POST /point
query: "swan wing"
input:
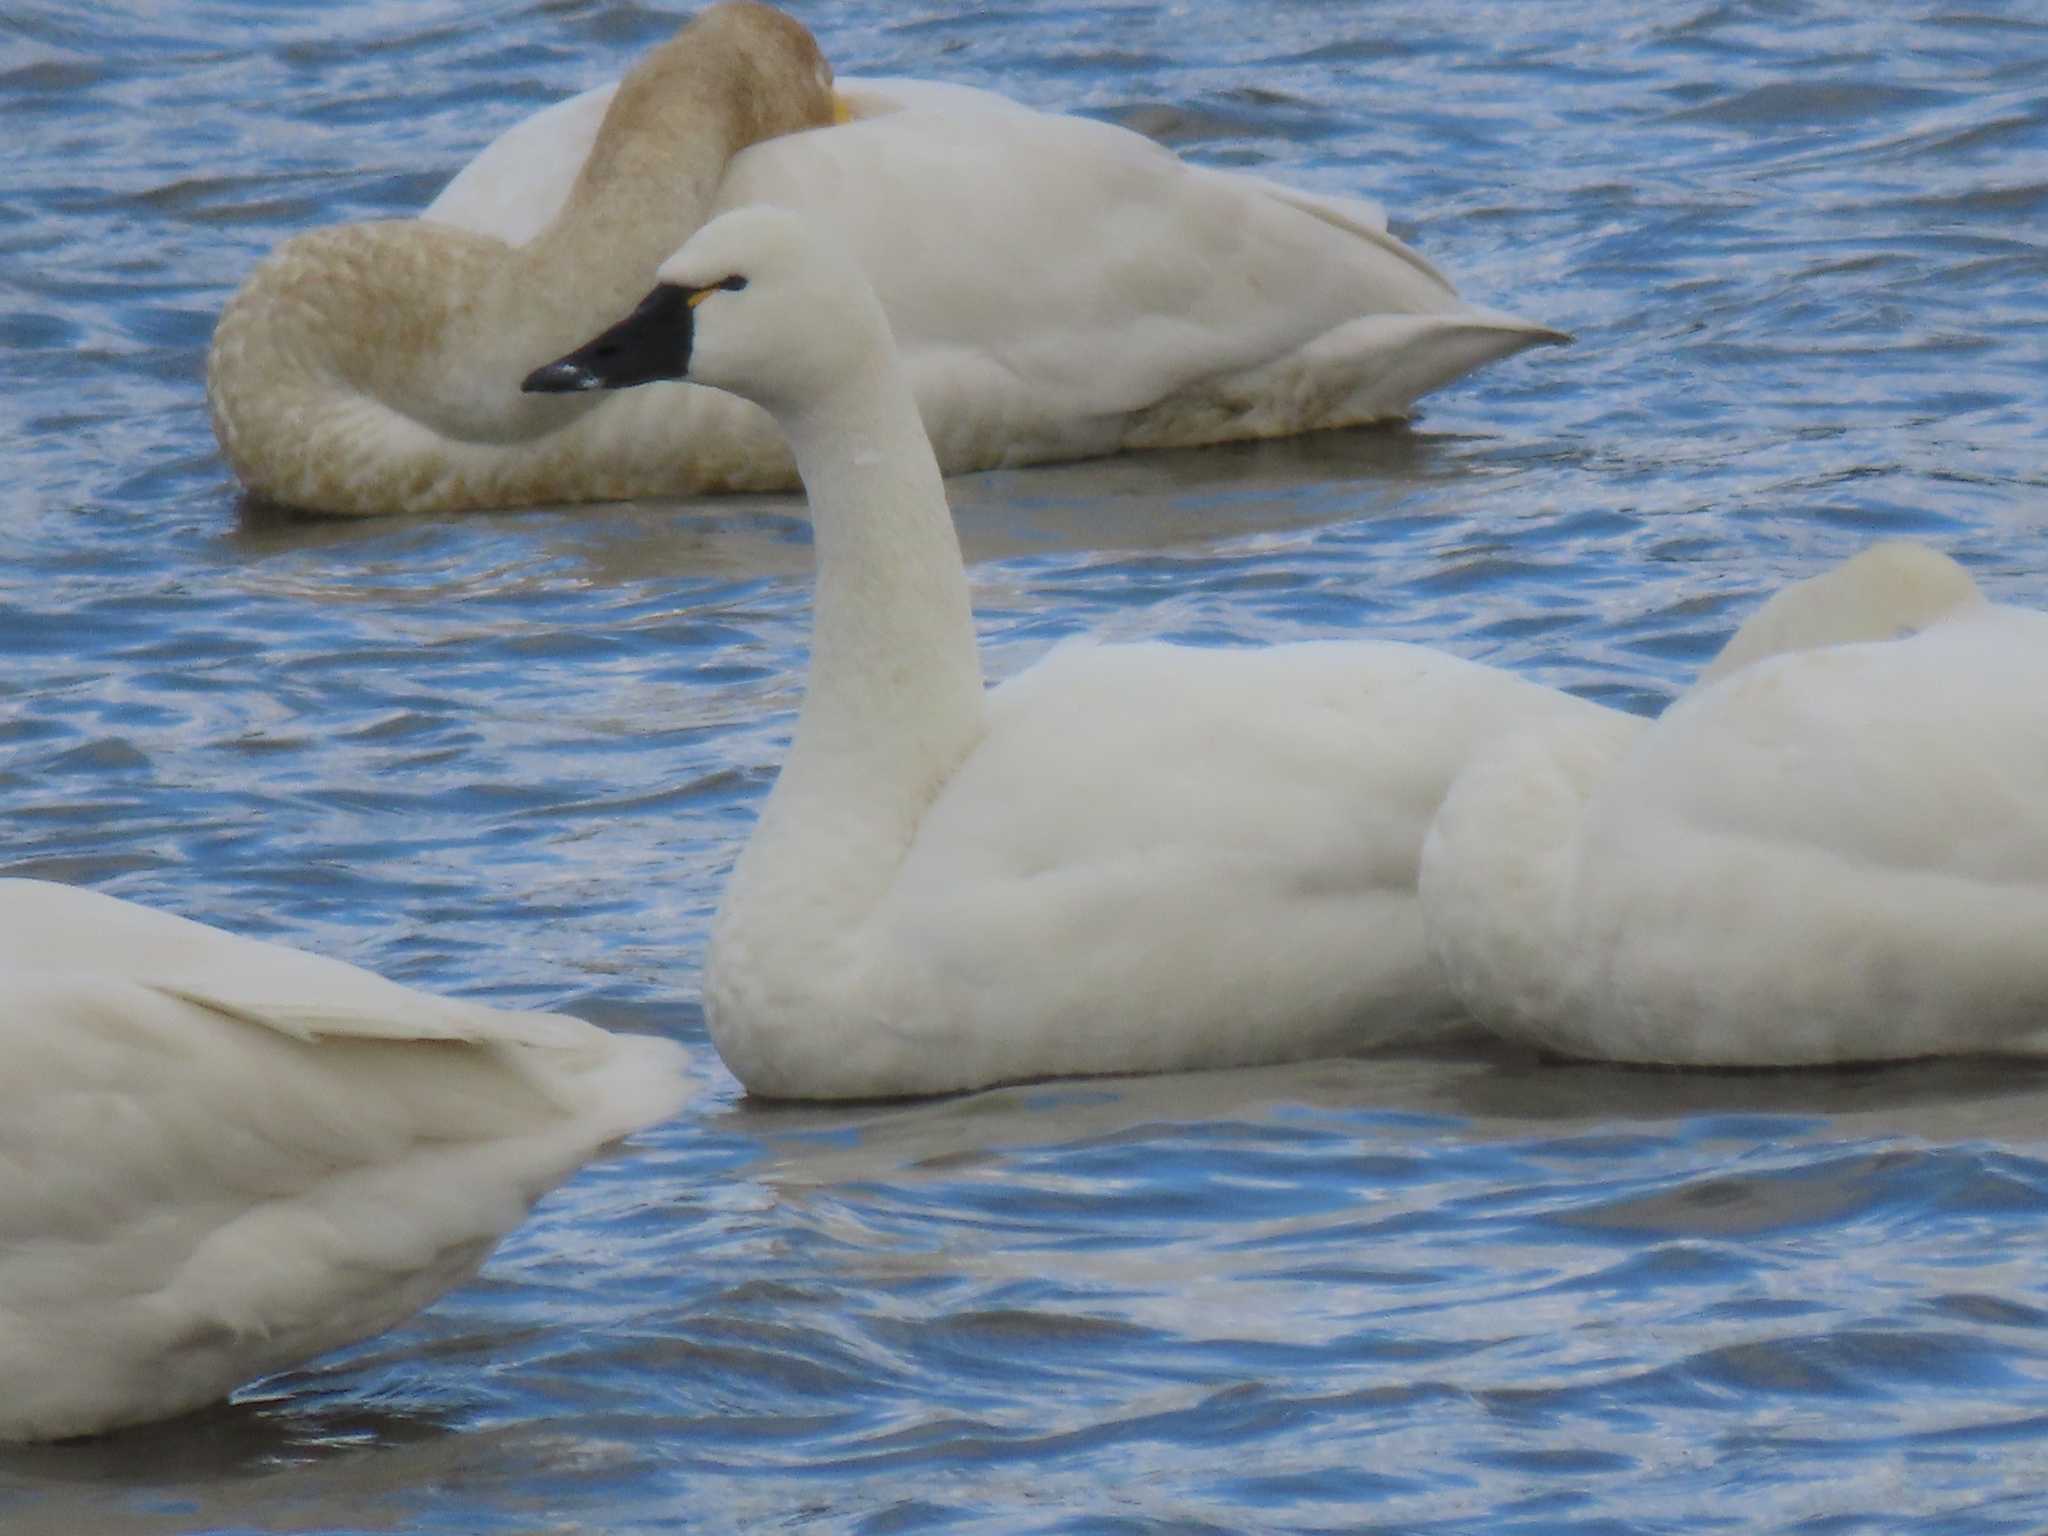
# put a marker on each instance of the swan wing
(1055, 258)
(1161, 858)
(1068, 275)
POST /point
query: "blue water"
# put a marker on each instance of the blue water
(1804, 248)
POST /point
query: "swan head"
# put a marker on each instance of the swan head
(760, 302)
(1890, 590)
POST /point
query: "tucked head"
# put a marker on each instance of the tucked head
(759, 302)
(1890, 590)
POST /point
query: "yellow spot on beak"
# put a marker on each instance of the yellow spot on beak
(699, 295)
(842, 110)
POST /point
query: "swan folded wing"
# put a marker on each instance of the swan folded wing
(53, 929)
(126, 1103)
(354, 1004)
(1206, 840)
(1108, 275)
(610, 1084)
(1369, 369)
(61, 934)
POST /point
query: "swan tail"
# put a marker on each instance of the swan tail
(370, 1008)
(1390, 361)
(618, 1083)
(1370, 369)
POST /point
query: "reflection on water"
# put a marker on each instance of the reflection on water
(510, 756)
(1176, 498)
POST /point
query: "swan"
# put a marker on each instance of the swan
(220, 1156)
(1834, 850)
(363, 369)
(1060, 288)
(1128, 858)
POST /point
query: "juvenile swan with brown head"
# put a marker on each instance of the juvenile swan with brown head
(372, 368)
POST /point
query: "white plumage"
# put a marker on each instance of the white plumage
(1059, 288)
(1129, 858)
(220, 1156)
(1834, 850)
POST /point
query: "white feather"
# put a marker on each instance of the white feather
(1059, 287)
(220, 1157)
(1836, 849)
(1129, 858)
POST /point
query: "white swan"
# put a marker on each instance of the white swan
(1128, 859)
(1829, 852)
(220, 1157)
(1060, 288)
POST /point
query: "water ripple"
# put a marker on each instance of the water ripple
(511, 756)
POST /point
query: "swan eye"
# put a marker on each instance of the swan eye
(731, 284)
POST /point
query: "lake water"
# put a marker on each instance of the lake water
(1804, 248)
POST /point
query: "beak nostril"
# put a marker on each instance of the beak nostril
(650, 345)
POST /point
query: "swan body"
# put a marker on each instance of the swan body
(1829, 852)
(1059, 288)
(1131, 858)
(220, 1157)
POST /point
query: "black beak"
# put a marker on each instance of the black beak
(651, 344)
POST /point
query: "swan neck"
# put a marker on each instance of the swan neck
(637, 198)
(892, 703)
(386, 337)
(895, 676)
(672, 127)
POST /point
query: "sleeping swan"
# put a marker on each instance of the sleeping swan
(1059, 288)
(220, 1157)
(1133, 858)
(1834, 850)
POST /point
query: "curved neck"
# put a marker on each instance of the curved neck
(893, 700)
(646, 185)
(346, 348)
(733, 77)
(894, 691)
(433, 326)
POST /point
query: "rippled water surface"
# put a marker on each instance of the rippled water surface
(1804, 248)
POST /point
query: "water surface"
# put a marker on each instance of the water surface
(510, 756)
